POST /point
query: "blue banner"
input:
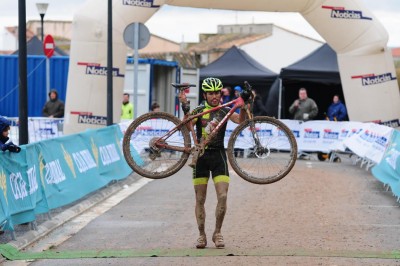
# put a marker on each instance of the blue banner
(388, 170)
(55, 172)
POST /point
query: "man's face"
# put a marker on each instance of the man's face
(125, 98)
(213, 98)
(335, 99)
(5, 133)
(53, 95)
(302, 95)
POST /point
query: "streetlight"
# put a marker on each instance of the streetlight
(42, 7)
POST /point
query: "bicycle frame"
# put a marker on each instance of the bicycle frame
(237, 103)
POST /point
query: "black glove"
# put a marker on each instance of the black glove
(13, 148)
(185, 107)
(245, 95)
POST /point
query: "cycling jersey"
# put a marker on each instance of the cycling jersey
(203, 121)
(214, 158)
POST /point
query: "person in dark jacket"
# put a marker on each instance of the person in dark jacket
(4, 132)
(337, 111)
(54, 108)
(258, 106)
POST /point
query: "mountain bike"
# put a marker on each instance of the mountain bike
(261, 150)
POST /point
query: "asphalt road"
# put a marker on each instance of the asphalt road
(320, 214)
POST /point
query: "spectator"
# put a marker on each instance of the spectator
(237, 90)
(226, 95)
(127, 107)
(337, 111)
(303, 108)
(258, 106)
(5, 131)
(54, 107)
(155, 107)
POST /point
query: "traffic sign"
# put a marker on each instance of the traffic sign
(142, 34)
(48, 46)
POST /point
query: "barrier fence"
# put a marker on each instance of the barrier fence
(39, 128)
(55, 170)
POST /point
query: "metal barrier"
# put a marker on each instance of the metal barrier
(39, 128)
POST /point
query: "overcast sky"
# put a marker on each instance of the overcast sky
(185, 24)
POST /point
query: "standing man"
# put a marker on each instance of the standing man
(53, 108)
(303, 108)
(337, 111)
(213, 160)
(127, 107)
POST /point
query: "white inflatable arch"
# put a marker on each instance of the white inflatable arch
(366, 65)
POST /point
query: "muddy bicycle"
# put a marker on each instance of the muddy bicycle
(261, 150)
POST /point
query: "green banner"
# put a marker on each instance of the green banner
(56, 172)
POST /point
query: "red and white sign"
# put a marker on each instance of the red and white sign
(48, 46)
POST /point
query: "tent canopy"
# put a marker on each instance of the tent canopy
(35, 47)
(319, 66)
(318, 72)
(235, 66)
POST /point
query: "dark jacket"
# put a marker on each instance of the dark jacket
(53, 107)
(4, 123)
(337, 111)
(258, 107)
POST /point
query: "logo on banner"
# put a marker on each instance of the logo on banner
(84, 160)
(141, 3)
(310, 134)
(342, 13)
(296, 133)
(33, 185)
(18, 186)
(92, 120)
(97, 69)
(54, 173)
(329, 134)
(109, 154)
(372, 79)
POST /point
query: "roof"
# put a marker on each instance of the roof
(396, 52)
(35, 47)
(236, 66)
(222, 42)
(186, 60)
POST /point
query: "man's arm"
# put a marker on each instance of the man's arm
(45, 111)
(314, 110)
(239, 118)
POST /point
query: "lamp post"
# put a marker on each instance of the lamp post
(42, 7)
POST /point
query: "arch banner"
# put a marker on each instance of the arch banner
(366, 67)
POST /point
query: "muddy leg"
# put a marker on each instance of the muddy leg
(201, 193)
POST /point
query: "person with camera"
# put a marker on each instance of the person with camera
(5, 131)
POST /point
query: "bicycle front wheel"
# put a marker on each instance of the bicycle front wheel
(146, 147)
(262, 150)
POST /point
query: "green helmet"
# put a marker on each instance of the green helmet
(211, 84)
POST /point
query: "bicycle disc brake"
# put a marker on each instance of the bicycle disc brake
(155, 151)
(262, 152)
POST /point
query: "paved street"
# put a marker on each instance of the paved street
(320, 214)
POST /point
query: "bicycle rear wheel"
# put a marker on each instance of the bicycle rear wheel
(140, 147)
(267, 160)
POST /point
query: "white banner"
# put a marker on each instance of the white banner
(371, 142)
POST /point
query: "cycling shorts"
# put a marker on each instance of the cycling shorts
(213, 161)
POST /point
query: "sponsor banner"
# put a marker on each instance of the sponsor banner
(371, 142)
(17, 187)
(140, 3)
(52, 173)
(388, 170)
(341, 12)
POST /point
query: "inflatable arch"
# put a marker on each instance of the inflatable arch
(366, 65)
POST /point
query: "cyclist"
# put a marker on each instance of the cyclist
(214, 159)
